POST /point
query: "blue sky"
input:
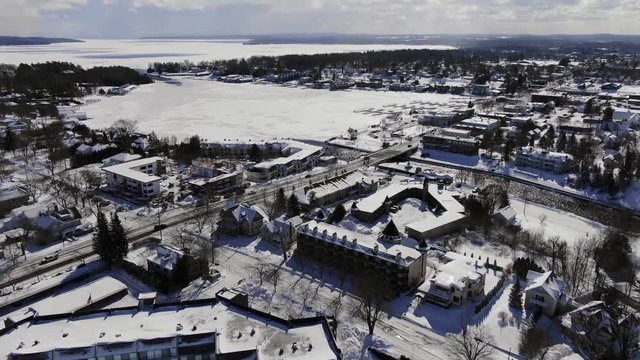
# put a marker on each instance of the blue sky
(136, 18)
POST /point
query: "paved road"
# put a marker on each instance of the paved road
(80, 250)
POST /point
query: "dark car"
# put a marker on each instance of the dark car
(48, 259)
(159, 227)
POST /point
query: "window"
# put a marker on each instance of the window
(539, 298)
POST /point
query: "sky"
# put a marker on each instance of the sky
(138, 18)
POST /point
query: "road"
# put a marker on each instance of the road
(80, 250)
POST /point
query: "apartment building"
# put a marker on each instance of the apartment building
(138, 178)
(301, 159)
(556, 162)
(404, 267)
(455, 144)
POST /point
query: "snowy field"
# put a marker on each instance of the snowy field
(217, 111)
(139, 53)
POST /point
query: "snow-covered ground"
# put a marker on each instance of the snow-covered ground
(217, 111)
(569, 227)
(138, 53)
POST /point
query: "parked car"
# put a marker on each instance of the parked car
(49, 258)
(159, 227)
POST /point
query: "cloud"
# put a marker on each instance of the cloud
(144, 17)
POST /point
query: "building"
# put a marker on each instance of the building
(401, 265)
(445, 216)
(545, 291)
(240, 149)
(481, 89)
(445, 117)
(57, 223)
(281, 231)
(120, 159)
(170, 264)
(336, 189)
(219, 184)
(138, 178)
(455, 144)
(11, 198)
(592, 325)
(241, 219)
(479, 125)
(545, 97)
(303, 158)
(370, 208)
(459, 279)
(224, 327)
(557, 162)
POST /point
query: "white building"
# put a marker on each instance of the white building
(479, 124)
(302, 158)
(557, 162)
(120, 159)
(138, 178)
(460, 278)
(545, 291)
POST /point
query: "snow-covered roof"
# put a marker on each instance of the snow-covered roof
(166, 256)
(300, 152)
(372, 202)
(544, 154)
(458, 270)
(360, 242)
(546, 282)
(130, 171)
(234, 329)
(121, 158)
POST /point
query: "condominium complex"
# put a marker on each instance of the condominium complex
(543, 159)
(402, 266)
(138, 178)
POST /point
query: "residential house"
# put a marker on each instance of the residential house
(459, 279)
(241, 219)
(170, 263)
(545, 291)
(593, 325)
(12, 197)
(56, 224)
(282, 231)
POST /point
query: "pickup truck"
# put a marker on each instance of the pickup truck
(49, 258)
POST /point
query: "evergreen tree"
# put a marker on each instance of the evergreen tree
(562, 142)
(280, 203)
(293, 206)
(607, 114)
(102, 240)
(338, 214)
(118, 239)
(9, 141)
(572, 144)
(508, 148)
(515, 297)
(255, 154)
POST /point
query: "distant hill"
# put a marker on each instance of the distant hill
(19, 40)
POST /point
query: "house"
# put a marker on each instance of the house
(459, 279)
(557, 162)
(169, 263)
(446, 215)
(241, 219)
(56, 224)
(592, 325)
(545, 291)
(612, 161)
(403, 266)
(11, 198)
(120, 158)
(224, 327)
(138, 178)
(481, 89)
(281, 231)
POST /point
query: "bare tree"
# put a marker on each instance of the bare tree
(60, 192)
(306, 293)
(32, 185)
(578, 270)
(273, 276)
(371, 294)
(90, 182)
(555, 251)
(261, 270)
(472, 343)
(335, 306)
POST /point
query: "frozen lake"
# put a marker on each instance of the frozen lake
(139, 53)
(218, 111)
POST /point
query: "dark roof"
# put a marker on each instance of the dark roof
(391, 230)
